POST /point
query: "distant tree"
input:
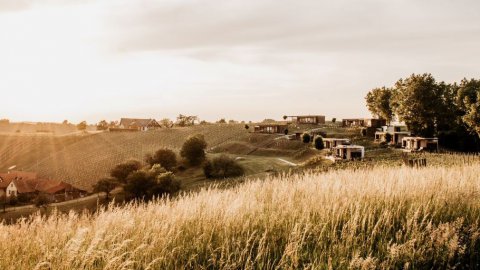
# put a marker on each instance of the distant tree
(417, 100)
(193, 150)
(139, 185)
(379, 103)
(122, 170)
(222, 167)
(166, 184)
(106, 185)
(113, 124)
(82, 126)
(165, 157)
(186, 120)
(102, 125)
(231, 121)
(203, 122)
(41, 200)
(65, 122)
(319, 143)
(334, 120)
(222, 121)
(166, 123)
(266, 121)
(306, 138)
(468, 99)
(4, 122)
(247, 127)
(285, 117)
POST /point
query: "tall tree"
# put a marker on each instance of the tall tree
(379, 103)
(468, 99)
(417, 101)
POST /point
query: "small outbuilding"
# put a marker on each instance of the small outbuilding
(415, 144)
(348, 152)
(271, 128)
(364, 122)
(309, 119)
(396, 134)
(330, 143)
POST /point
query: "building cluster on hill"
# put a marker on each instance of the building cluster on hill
(28, 185)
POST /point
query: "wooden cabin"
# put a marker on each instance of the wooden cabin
(364, 122)
(271, 128)
(397, 133)
(308, 119)
(330, 143)
(415, 144)
(348, 152)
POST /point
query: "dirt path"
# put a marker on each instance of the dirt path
(288, 162)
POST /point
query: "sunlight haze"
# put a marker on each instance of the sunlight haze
(242, 60)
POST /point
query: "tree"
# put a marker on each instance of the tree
(102, 125)
(417, 101)
(186, 120)
(334, 120)
(468, 100)
(82, 126)
(106, 185)
(222, 121)
(41, 200)
(247, 127)
(193, 150)
(306, 138)
(139, 185)
(123, 170)
(379, 103)
(319, 143)
(166, 123)
(65, 122)
(222, 167)
(285, 117)
(165, 157)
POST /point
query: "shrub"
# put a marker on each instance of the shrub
(12, 200)
(222, 167)
(122, 170)
(319, 143)
(334, 120)
(166, 184)
(41, 200)
(146, 185)
(306, 138)
(193, 150)
(165, 157)
(105, 185)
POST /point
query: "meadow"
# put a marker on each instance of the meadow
(377, 218)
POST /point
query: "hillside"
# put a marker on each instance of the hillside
(381, 218)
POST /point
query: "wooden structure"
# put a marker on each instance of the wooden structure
(364, 122)
(308, 119)
(414, 162)
(139, 124)
(348, 152)
(271, 128)
(414, 144)
(330, 143)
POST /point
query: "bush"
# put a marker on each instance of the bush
(146, 185)
(41, 200)
(122, 170)
(223, 167)
(319, 143)
(165, 157)
(105, 185)
(306, 138)
(193, 150)
(334, 120)
(12, 200)
(166, 184)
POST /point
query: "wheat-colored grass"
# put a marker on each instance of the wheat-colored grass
(380, 218)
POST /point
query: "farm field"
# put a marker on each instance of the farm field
(380, 218)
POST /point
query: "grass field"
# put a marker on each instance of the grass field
(380, 218)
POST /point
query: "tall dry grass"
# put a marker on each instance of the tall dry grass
(364, 219)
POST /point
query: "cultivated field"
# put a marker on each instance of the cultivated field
(380, 218)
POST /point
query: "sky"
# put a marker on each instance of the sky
(234, 59)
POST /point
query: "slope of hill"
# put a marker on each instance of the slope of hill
(383, 218)
(84, 162)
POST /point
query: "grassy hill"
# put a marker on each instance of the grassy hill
(380, 218)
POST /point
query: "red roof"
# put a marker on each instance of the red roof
(27, 182)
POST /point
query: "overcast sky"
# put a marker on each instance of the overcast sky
(243, 60)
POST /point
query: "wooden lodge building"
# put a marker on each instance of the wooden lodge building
(133, 124)
(414, 144)
(308, 119)
(271, 128)
(364, 122)
(348, 152)
(331, 143)
(396, 132)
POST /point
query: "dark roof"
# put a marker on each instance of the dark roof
(126, 122)
(7, 178)
(27, 182)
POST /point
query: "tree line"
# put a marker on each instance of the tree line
(449, 111)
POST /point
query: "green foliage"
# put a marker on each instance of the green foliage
(306, 138)
(147, 184)
(82, 126)
(222, 121)
(319, 143)
(41, 200)
(468, 99)
(186, 120)
(102, 125)
(105, 185)
(223, 167)
(165, 157)
(285, 117)
(167, 123)
(378, 103)
(123, 170)
(193, 150)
